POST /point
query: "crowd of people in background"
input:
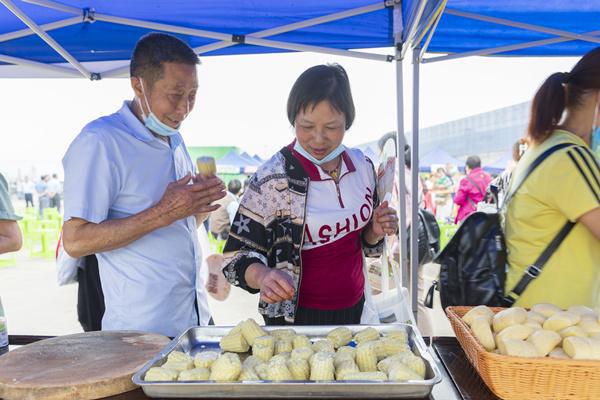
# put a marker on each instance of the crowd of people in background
(451, 195)
(46, 192)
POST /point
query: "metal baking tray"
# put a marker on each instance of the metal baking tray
(198, 339)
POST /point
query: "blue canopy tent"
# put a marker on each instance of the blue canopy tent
(250, 159)
(94, 39)
(438, 157)
(499, 165)
(234, 163)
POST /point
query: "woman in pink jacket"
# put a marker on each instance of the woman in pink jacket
(471, 189)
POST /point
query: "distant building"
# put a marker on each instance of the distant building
(489, 135)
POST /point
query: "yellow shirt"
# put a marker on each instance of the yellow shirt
(565, 186)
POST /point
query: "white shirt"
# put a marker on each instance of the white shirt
(335, 210)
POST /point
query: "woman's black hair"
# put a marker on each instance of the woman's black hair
(322, 83)
(562, 90)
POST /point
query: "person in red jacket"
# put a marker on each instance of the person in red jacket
(471, 189)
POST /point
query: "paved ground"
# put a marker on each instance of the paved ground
(35, 305)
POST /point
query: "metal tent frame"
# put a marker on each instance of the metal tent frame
(83, 16)
(414, 38)
(419, 48)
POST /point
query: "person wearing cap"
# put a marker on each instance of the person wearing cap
(133, 198)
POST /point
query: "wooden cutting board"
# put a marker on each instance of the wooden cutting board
(87, 365)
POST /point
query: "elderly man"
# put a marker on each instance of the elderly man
(132, 198)
(10, 234)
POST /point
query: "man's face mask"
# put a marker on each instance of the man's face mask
(151, 121)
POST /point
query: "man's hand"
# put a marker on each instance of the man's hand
(182, 199)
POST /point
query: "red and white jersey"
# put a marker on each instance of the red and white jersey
(334, 210)
(336, 214)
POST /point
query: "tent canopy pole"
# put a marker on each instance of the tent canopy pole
(46, 38)
(529, 27)
(502, 49)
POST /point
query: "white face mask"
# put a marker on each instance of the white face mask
(329, 157)
(595, 140)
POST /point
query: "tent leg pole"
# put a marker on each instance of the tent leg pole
(414, 235)
(400, 144)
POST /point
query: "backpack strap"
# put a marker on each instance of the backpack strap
(478, 189)
(533, 166)
(534, 270)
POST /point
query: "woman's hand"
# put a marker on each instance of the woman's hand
(384, 222)
(275, 285)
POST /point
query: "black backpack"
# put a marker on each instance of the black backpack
(428, 237)
(473, 264)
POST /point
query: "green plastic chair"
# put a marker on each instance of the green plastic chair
(446, 233)
(216, 245)
(8, 260)
(43, 238)
(52, 213)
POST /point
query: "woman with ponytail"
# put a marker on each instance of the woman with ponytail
(565, 187)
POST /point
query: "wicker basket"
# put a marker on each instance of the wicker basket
(526, 378)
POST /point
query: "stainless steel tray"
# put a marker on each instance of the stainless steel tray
(198, 339)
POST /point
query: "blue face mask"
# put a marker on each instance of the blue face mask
(329, 157)
(151, 121)
(595, 143)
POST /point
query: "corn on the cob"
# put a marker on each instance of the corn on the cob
(159, 374)
(323, 345)
(248, 374)
(251, 362)
(263, 347)
(283, 333)
(234, 342)
(281, 358)
(366, 335)
(302, 353)
(196, 374)
(206, 166)
(416, 364)
(400, 372)
(278, 371)
(283, 346)
(226, 368)
(339, 358)
(366, 357)
(321, 367)
(262, 371)
(399, 334)
(394, 346)
(205, 359)
(347, 350)
(178, 356)
(251, 330)
(366, 376)
(301, 341)
(344, 368)
(299, 368)
(179, 365)
(340, 336)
